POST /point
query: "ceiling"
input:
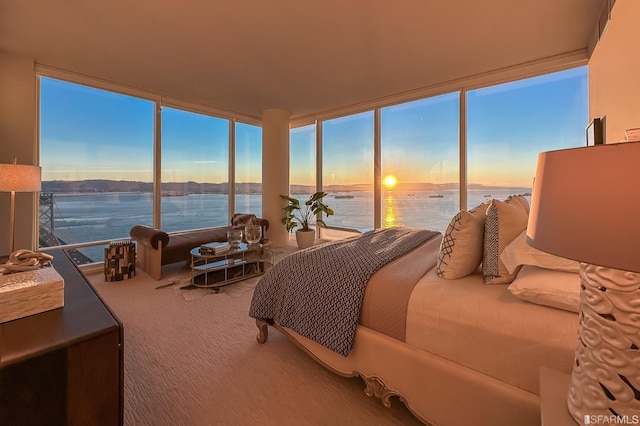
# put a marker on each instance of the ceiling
(305, 57)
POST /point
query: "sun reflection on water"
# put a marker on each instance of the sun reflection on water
(390, 216)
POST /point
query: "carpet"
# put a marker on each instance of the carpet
(197, 363)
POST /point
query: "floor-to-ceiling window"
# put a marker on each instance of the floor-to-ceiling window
(348, 170)
(96, 154)
(420, 162)
(509, 124)
(248, 169)
(422, 166)
(195, 170)
(97, 151)
(302, 154)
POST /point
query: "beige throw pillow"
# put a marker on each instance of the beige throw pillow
(461, 247)
(520, 199)
(505, 221)
(518, 252)
(549, 288)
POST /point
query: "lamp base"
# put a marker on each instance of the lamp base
(605, 380)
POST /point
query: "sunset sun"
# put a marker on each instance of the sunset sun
(390, 181)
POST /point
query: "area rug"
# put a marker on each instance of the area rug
(178, 280)
(182, 285)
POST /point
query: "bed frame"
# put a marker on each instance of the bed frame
(437, 391)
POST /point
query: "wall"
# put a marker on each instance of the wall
(614, 77)
(18, 140)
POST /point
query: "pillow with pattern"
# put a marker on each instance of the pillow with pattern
(505, 221)
(460, 251)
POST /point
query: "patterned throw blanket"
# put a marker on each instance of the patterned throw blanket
(317, 292)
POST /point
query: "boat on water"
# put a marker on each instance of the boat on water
(436, 196)
(347, 196)
(174, 193)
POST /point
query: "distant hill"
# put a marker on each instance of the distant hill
(185, 188)
(174, 188)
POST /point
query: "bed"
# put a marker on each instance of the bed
(455, 351)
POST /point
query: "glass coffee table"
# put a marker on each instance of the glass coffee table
(228, 266)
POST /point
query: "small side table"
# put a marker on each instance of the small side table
(554, 386)
(216, 270)
(119, 260)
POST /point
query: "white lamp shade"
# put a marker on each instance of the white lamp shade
(585, 205)
(19, 178)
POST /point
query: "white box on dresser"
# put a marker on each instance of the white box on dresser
(30, 292)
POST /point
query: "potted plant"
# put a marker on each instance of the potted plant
(304, 216)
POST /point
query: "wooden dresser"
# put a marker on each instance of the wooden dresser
(65, 366)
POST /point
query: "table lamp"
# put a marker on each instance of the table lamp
(585, 205)
(17, 178)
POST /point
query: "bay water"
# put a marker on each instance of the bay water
(86, 217)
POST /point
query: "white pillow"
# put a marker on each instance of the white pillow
(460, 251)
(518, 252)
(505, 221)
(547, 287)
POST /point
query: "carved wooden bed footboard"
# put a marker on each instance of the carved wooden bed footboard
(437, 391)
(374, 386)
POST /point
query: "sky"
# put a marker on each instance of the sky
(507, 126)
(88, 133)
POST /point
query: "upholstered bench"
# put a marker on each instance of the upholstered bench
(156, 248)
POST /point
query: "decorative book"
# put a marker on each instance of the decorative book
(29, 293)
(210, 249)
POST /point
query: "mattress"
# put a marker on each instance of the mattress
(487, 329)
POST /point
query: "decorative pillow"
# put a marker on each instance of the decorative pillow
(242, 219)
(546, 287)
(505, 221)
(461, 247)
(518, 252)
(519, 199)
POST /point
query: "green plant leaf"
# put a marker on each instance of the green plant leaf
(306, 214)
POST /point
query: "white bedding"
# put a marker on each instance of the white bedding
(473, 352)
(487, 329)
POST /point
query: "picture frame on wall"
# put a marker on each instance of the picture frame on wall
(595, 132)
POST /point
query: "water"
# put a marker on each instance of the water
(421, 209)
(80, 218)
(93, 217)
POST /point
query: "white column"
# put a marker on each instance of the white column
(275, 171)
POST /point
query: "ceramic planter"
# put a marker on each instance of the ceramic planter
(305, 238)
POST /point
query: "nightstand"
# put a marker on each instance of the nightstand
(554, 386)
